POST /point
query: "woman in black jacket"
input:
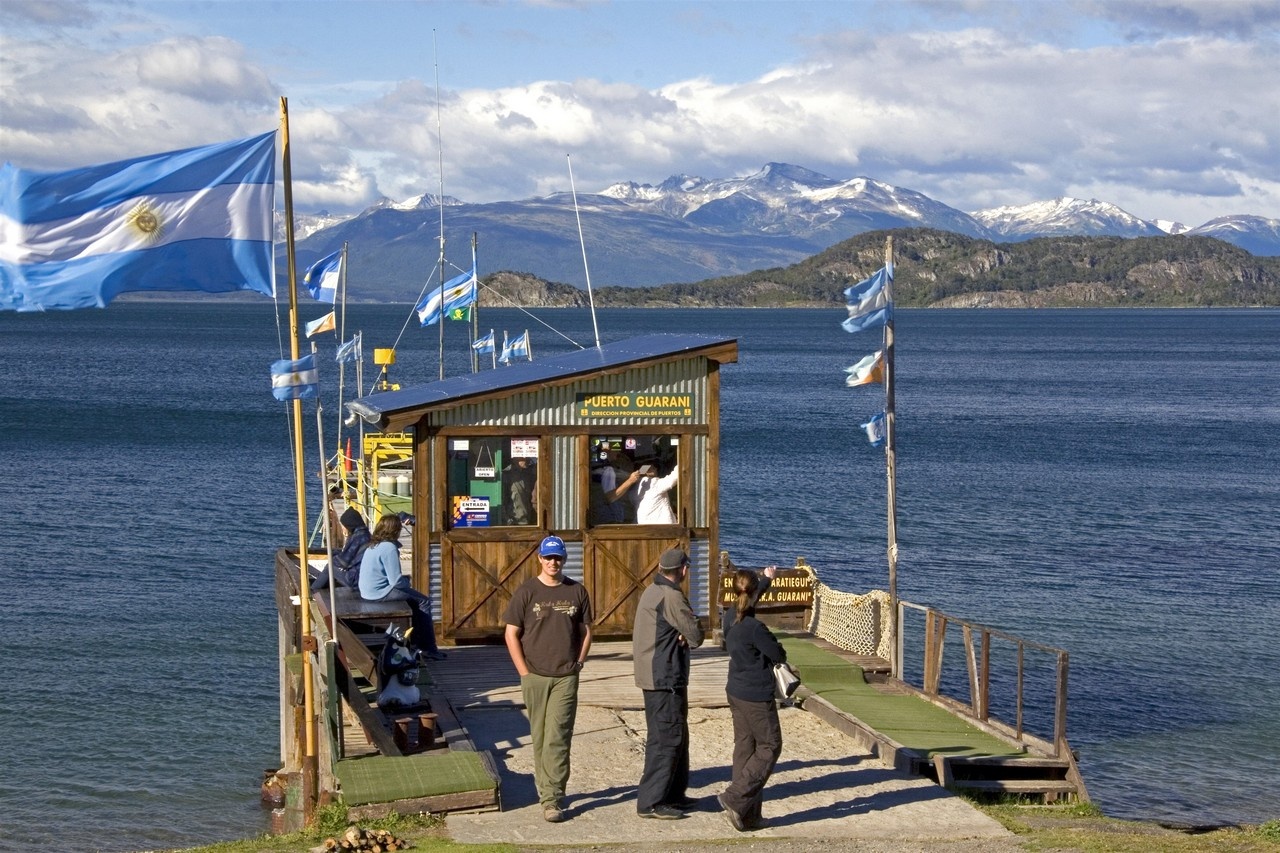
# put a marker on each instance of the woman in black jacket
(757, 736)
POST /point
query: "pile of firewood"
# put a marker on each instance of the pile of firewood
(367, 841)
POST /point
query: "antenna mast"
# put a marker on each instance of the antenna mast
(440, 199)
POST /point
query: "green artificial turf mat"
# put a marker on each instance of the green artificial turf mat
(909, 720)
(385, 778)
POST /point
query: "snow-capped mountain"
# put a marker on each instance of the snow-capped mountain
(1255, 234)
(689, 228)
(1064, 217)
(781, 198)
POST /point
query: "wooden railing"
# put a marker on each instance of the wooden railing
(977, 654)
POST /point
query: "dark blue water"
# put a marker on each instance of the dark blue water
(1103, 481)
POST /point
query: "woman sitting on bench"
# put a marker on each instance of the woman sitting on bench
(382, 580)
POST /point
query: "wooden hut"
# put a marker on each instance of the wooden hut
(504, 457)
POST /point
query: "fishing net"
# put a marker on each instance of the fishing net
(855, 623)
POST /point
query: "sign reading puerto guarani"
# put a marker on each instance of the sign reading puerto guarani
(608, 405)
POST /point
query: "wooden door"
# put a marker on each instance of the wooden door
(618, 565)
(478, 578)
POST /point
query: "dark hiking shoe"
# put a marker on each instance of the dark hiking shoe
(662, 812)
(735, 819)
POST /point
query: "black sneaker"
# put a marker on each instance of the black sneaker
(662, 812)
(685, 804)
(735, 819)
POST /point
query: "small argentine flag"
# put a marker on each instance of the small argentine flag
(875, 429)
(485, 344)
(295, 380)
(323, 277)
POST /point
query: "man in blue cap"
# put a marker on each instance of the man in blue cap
(548, 635)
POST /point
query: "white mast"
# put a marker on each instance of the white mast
(440, 200)
(590, 297)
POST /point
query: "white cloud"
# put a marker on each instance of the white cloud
(1181, 126)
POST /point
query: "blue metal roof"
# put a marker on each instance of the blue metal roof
(378, 408)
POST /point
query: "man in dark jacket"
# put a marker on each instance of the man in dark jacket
(664, 632)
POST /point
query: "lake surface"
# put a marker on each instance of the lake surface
(1107, 482)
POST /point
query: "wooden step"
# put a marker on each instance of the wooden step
(1016, 786)
(980, 763)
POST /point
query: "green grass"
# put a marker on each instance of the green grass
(1080, 828)
(1085, 829)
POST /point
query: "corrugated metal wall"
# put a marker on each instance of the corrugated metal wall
(557, 407)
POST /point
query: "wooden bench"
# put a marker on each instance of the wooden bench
(359, 624)
(351, 606)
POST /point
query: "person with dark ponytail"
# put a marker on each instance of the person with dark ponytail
(757, 735)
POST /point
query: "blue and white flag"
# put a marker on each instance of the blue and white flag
(874, 320)
(295, 380)
(199, 219)
(323, 278)
(869, 301)
(875, 429)
(350, 351)
(873, 300)
(516, 348)
(485, 344)
(457, 292)
(874, 283)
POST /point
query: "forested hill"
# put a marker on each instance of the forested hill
(941, 269)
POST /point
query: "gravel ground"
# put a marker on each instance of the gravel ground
(826, 791)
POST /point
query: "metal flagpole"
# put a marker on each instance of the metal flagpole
(325, 499)
(475, 306)
(342, 365)
(890, 456)
(310, 766)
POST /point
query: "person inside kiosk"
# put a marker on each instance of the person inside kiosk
(633, 480)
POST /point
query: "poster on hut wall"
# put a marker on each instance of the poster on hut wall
(469, 511)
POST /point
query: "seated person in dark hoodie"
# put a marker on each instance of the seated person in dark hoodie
(346, 563)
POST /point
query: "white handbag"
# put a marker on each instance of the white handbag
(786, 679)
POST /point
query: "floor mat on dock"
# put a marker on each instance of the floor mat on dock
(908, 720)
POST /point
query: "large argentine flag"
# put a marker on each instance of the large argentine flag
(197, 219)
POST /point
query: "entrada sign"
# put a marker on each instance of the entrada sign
(635, 405)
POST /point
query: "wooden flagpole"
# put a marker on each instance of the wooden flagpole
(890, 455)
(309, 761)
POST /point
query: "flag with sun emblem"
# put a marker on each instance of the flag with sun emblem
(199, 219)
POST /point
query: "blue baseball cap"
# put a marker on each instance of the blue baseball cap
(552, 546)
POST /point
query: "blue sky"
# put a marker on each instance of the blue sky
(1169, 109)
